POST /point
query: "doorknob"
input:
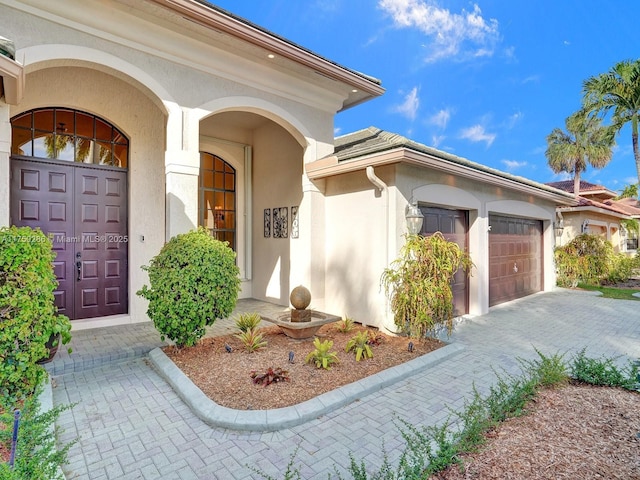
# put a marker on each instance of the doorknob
(79, 269)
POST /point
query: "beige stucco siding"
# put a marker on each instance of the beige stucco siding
(277, 173)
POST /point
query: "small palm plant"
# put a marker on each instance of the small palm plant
(247, 321)
(252, 339)
(359, 344)
(322, 356)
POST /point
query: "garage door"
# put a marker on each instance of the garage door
(515, 258)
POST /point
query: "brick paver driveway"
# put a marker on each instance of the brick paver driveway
(131, 425)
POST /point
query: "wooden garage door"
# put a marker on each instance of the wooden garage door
(515, 258)
(453, 224)
(84, 212)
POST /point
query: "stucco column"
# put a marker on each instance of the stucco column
(308, 257)
(182, 166)
(5, 146)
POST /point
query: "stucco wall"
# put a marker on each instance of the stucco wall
(359, 245)
(358, 219)
(277, 173)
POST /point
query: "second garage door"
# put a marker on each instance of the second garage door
(515, 258)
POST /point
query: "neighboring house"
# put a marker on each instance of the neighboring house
(596, 212)
(124, 123)
(631, 206)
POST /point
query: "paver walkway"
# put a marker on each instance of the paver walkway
(131, 425)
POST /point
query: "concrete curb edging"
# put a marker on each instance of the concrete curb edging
(46, 405)
(280, 418)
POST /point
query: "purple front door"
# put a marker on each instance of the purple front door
(84, 211)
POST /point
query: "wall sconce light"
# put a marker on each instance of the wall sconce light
(414, 219)
(585, 226)
(559, 227)
(623, 232)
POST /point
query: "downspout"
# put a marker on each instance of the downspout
(383, 189)
(560, 221)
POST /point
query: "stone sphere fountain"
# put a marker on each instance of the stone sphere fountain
(300, 322)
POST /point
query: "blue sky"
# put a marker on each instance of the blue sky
(485, 80)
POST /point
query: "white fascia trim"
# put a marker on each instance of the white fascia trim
(12, 74)
(199, 13)
(139, 34)
(594, 210)
(330, 166)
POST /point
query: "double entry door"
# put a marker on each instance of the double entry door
(84, 212)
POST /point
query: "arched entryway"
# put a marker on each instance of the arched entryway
(69, 178)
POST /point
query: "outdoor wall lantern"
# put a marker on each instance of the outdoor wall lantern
(414, 219)
(559, 227)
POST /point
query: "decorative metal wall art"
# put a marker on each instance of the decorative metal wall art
(267, 222)
(295, 231)
(280, 222)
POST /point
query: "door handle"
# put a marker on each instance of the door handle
(79, 269)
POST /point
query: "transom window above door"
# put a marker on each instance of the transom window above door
(217, 198)
(71, 135)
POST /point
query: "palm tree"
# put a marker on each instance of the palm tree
(618, 92)
(586, 141)
(629, 191)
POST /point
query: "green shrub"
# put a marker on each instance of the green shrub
(604, 372)
(27, 311)
(37, 455)
(418, 283)
(194, 280)
(248, 321)
(586, 258)
(621, 268)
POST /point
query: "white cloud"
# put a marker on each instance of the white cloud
(513, 120)
(512, 165)
(441, 118)
(436, 140)
(476, 133)
(464, 34)
(336, 131)
(409, 108)
(531, 79)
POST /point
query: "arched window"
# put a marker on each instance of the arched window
(65, 134)
(217, 199)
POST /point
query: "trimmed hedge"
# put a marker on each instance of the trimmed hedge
(194, 280)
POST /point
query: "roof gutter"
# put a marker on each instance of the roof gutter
(331, 166)
(603, 211)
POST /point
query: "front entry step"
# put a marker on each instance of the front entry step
(104, 346)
